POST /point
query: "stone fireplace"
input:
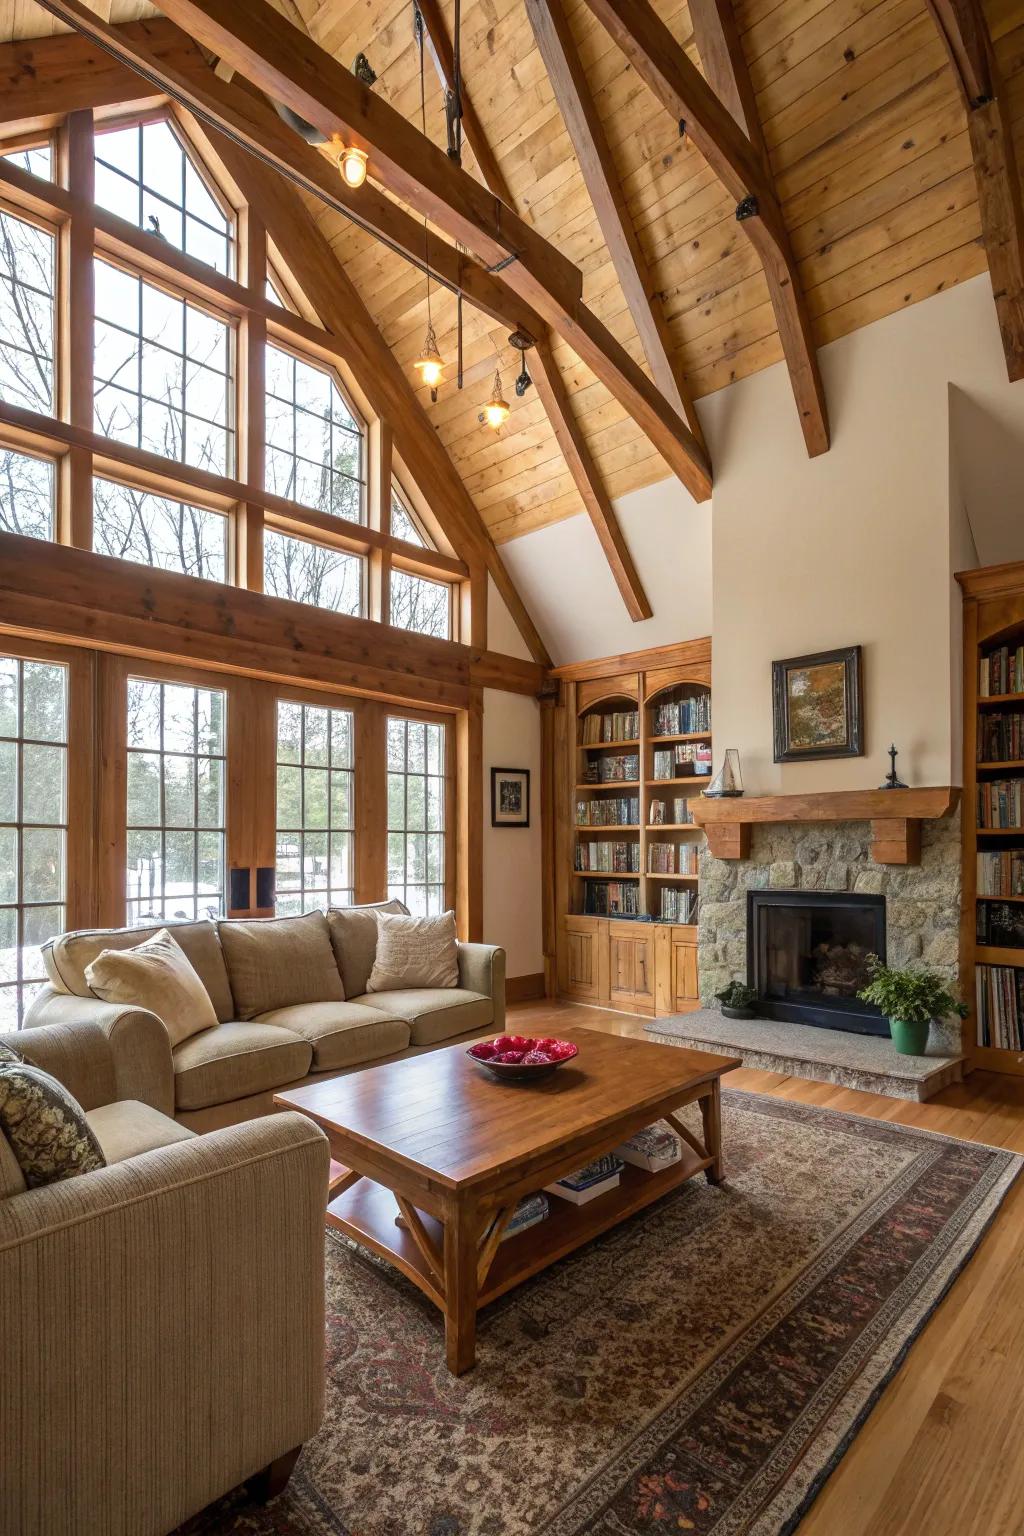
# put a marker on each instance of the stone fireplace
(808, 953)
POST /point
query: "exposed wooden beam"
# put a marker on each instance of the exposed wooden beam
(285, 63)
(43, 79)
(545, 373)
(589, 141)
(682, 90)
(573, 446)
(965, 33)
(335, 299)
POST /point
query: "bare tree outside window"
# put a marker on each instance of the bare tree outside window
(26, 494)
(416, 814)
(314, 443)
(312, 573)
(402, 525)
(172, 535)
(315, 807)
(421, 605)
(26, 314)
(38, 160)
(145, 174)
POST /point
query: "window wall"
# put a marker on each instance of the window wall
(315, 807)
(417, 813)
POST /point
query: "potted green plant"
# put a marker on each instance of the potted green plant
(910, 997)
(737, 999)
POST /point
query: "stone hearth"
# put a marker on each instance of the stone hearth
(922, 901)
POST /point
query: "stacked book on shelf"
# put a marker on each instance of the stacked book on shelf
(623, 725)
(613, 769)
(1002, 671)
(683, 719)
(529, 1211)
(1000, 736)
(1001, 924)
(1000, 1006)
(612, 898)
(671, 859)
(1002, 873)
(682, 760)
(615, 811)
(675, 812)
(1000, 803)
(679, 904)
(653, 1148)
(610, 858)
(590, 1181)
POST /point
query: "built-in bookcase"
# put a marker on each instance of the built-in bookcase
(638, 749)
(992, 934)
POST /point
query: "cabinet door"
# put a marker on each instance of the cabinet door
(684, 973)
(585, 952)
(631, 967)
(676, 989)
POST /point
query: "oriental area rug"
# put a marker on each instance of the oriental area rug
(701, 1368)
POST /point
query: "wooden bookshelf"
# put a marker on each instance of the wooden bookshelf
(644, 961)
(993, 619)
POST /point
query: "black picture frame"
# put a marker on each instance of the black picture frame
(506, 816)
(849, 739)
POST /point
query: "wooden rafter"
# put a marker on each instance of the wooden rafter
(589, 141)
(285, 63)
(546, 375)
(965, 33)
(682, 90)
(41, 84)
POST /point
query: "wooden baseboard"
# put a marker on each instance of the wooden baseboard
(524, 989)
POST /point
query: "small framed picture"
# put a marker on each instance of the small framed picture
(817, 706)
(510, 797)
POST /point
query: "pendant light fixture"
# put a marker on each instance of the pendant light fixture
(429, 365)
(352, 165)
(495, 412)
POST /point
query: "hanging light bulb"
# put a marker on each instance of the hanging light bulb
(352, 165)
(495, 412)
(429, 365)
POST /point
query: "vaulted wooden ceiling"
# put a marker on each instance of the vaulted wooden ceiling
(867, 139)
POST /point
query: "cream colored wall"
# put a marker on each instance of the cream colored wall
(512, 855)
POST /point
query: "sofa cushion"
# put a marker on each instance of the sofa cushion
(66, 957)
(342, 1034)
(354, 936)
(12, 1180)
(276, 961)
(434, 1013)
(126, 1128)
(156, 975)
(414, 952)
(45, 1126)
(234, 1060)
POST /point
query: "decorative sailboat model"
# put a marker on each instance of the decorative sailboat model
(727, 783)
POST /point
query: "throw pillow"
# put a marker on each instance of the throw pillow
(354, 936)
(414, 952)
(274, 962)
(9, 1052)
(45, 1126)
(156, 975)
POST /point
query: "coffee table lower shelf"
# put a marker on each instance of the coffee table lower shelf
(366, 1212)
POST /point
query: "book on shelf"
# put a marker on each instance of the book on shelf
(682, 760)
(653, 1148)
(679, 904)
(671, 859)
(1000, 736)
(675, 812)
(685, 718)
(590, 1181)
(621, 725)
(612, 898)
(999, 991)
(531, 1210)
(608, 858)
(1001, 873)
(1000, 804)
(1000, 923)
(1002, 671)
(613, 811)
(613, 769)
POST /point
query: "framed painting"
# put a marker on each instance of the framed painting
(817, 706)
(510, 797)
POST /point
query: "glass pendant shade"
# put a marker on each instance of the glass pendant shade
(429, 365)
(728, 781)
(496, 410)
(353, 166)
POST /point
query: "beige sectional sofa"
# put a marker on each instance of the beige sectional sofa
(231, 1072)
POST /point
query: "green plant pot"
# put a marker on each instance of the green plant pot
(909, 1039)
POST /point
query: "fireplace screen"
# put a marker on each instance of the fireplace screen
(807, 954)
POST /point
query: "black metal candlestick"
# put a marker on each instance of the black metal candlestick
(891, 779)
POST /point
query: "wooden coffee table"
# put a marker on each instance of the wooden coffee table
(455, 1149)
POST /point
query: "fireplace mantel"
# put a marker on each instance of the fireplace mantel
(895, 816)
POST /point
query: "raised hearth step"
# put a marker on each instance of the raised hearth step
(867, 1062)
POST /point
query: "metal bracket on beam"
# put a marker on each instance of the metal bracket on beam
(748, 208)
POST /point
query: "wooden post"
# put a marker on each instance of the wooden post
(470, 811)
(76, 298)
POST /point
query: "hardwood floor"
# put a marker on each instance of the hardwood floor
(941, 1453)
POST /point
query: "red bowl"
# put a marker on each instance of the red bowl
(519, 1071)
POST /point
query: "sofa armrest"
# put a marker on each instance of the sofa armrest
(482, 969)
(138, 1044)
(170, 1336)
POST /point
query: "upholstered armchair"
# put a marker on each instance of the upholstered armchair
(164, 1327)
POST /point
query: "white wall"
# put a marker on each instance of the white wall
(564, 580)
(512, 855)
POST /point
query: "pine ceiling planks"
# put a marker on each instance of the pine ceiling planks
(872, 167)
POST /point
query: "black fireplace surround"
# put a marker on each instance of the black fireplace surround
(807, 956)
